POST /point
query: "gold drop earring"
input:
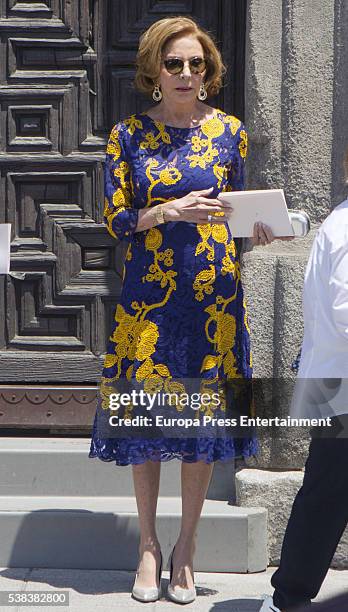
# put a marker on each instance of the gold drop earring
(157, 94)
(202, 92)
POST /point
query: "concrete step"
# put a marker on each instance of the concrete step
(61, 467)
(276, 491)
(102, 533)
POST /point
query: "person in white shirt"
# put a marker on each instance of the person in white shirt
(319, 514)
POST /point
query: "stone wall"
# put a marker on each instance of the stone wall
(296, 99)
(297, 118)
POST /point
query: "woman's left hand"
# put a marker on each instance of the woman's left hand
(264, 235)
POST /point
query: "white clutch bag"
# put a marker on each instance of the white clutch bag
(267, 206)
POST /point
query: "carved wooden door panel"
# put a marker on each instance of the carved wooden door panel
(66, 72)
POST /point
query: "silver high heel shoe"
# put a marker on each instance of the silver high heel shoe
(178, 594)
(148, 593)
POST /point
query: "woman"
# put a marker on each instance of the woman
(182, 314)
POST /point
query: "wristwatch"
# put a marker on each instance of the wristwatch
(159, 214)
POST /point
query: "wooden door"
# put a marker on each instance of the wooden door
(66, 72)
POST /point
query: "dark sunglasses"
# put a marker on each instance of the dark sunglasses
(175, 65)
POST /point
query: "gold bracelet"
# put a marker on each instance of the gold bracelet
(159, 215)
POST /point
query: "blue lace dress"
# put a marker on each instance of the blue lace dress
(181, 314)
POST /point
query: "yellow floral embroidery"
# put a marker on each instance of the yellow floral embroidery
(243, 145)
(209, 362)
(162, 132)
(228, 266)
(111, 217)
(203, 282)
(226, 332)
(224, 335)
(197, 144)
(153, 142)
(150, 165)
(219, 233)
(114, 149)
(246, 316)
(121, 172)
(133, 124)
(217, 386)
(128, 257)
(109, 361)
(153, 383)
(121, 196)
(147, 339)
(150, 141)
(167, 176)
(204, 159)
(220, 173)
(118, 198)
(213, 128)
(115, 133)
(153, 239)
(234, 123)
(153, 242)
(170, 176)
(222, 339)
(135, 337)
(105, 390)
(205, 232)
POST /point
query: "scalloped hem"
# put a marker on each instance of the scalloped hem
(142, 453)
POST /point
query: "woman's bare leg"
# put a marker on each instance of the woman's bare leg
(146, 479)
(195, 479)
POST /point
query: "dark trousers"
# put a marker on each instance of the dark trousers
(318, 518)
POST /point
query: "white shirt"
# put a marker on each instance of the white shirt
(325, 310)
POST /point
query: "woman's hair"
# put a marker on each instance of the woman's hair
(152, 45)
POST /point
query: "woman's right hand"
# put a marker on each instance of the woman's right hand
(195, 208)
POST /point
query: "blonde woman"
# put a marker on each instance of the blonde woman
(181, 315)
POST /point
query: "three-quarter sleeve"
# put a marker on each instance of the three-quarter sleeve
(120, 217)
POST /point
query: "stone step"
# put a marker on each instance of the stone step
(276, 491)
(61, 467)
(102, 533)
